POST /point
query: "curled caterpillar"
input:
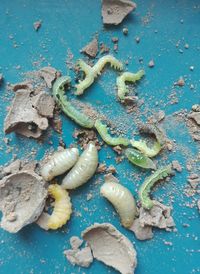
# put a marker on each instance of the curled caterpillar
(112, 141)
(62, 207)
(107, 59)
(89, 77)
(122, 200)
(59, 163)
(92, 72)
(139, 159)
(153, 129)
(122, 90)
(145, 188)
(83, 170)
(148, 151)
(73, 113)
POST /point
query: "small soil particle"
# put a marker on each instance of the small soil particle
(137, 39)
(37, 25)
(151, 64)
(125, 31)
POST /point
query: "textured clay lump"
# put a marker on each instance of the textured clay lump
(91, 49)
(111, 247)
(22, 199)
(25, 114)
(114, 11)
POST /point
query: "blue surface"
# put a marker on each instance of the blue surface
(70, 25)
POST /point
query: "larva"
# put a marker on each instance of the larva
(107, 59)
(139, 159)
(148, 151)
(89, 77)
(73, 113)
(150, 181)
(83, 170)
(122, 90)
(92, 72)
(59, 163)
(112, 141)
(62, 207)
(122, 200)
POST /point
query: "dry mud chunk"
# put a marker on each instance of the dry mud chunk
(195, 116)
(22, 85)
(44, 104)
(22, 199)
(75, 242)
(49, 75)
(82, 257)
(91, 49)
(111, 247)
(158, 216)
(114, 11)
(176, 165)
(23, 118)
(12, 167)
(141, 232)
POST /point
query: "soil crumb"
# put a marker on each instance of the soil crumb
(114, 11)
(22, 197)
(111, 247)
(37, 25)
(91, 49)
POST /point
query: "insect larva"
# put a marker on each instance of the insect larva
(122, 90)
(139, 159)
(83, 170)
(97, 68)
(59, 163)
(59, 94)
(148, 151)
(122, 200)
(112, 141)
(153, 129)
(89, 77)
(145, 188)
(62, 207)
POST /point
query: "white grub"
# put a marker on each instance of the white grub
(111, 247)
(141, 232)
(122, 200)
(83, 170)
(81, 257)
(158, 216)
(59, 163)
(114, 11)
(22, 199)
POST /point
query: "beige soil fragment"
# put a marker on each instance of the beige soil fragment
(22, 199)
(141, 232)
(91, 49)
(82, 257)
(22, 85)
(193, 122)
(111, 247)
(176, 165)
(43, 221)
(23, 118)
(159, 216)
(75, 242)
(114, 11)
(49, 74)
(194, 180)
(44, 104)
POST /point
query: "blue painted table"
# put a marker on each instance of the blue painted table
(68, 26)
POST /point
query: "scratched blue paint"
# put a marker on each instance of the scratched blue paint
(70, 25)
